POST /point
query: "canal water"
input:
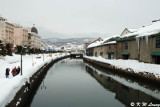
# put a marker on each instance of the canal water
(73, 83)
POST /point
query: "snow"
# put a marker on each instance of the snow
(10, 86)
(148, 30)
(111, 42)
(155, 93)
(99, 43)
(134, 65)
(132, 30)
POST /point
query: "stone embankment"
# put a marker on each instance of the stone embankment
(24, 96)
(140, 76)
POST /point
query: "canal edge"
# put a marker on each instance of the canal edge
(28, 90)
(145, 78)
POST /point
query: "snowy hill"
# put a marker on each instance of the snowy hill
(61, 42)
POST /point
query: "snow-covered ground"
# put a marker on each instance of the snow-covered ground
(31, 63)
(133, 65)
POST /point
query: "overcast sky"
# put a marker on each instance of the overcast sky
(73, 17)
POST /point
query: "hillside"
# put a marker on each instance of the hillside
(61, 42)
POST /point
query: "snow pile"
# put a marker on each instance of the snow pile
(31, 63)
(148, 30)
(133, 65)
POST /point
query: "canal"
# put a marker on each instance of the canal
(73, 83)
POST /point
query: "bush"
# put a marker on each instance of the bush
(3, 50)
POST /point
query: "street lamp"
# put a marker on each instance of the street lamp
(26, 50)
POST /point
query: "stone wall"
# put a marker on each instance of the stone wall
(24, 96)
(146, 48)
(119, 50)
(105, 49)
(146, 78)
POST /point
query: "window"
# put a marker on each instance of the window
(95, 53)
(109, 46)
(158, 42)
(126, 45)
(101, 54)
(156, 59)
(112, 56)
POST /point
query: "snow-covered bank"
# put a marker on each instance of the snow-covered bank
(131, 65)
(31, 63)
(136, 86)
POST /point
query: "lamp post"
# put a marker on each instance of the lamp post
(26, 50)
(21, 61)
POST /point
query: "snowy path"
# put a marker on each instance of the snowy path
(10, 86)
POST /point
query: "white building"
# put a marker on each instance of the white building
(34, 40)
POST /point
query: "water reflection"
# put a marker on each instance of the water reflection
(73, 83)
(69, 85)
(43, 86)
(123, 93)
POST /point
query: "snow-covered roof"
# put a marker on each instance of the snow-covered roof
(111, 42)
(99, 43)
(132, 30)
(148, 30)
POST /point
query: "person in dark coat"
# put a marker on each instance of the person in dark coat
(18, 70)
(7, 72)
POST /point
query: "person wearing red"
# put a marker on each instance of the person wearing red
(14, 73)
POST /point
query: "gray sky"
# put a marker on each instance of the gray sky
(69, 18)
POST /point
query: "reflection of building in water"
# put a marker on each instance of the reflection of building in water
(123, 93)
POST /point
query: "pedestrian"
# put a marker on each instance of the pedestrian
(18, 70)
(14, 73)
(7, 72)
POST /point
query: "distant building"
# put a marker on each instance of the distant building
(105, 48)
(127, 31)
(90, 47)
(20, 35)
(6, 31)
(34, 40)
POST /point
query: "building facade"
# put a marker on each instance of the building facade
(6, 31)
(107, 51)
(20, 36)
(105, 48)
(34, 40)
(150, 49)
(142, 45)
(127, 48)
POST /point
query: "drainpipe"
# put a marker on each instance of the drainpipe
(139, 49)
(116, 50)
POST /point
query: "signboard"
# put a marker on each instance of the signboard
(11, 47)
